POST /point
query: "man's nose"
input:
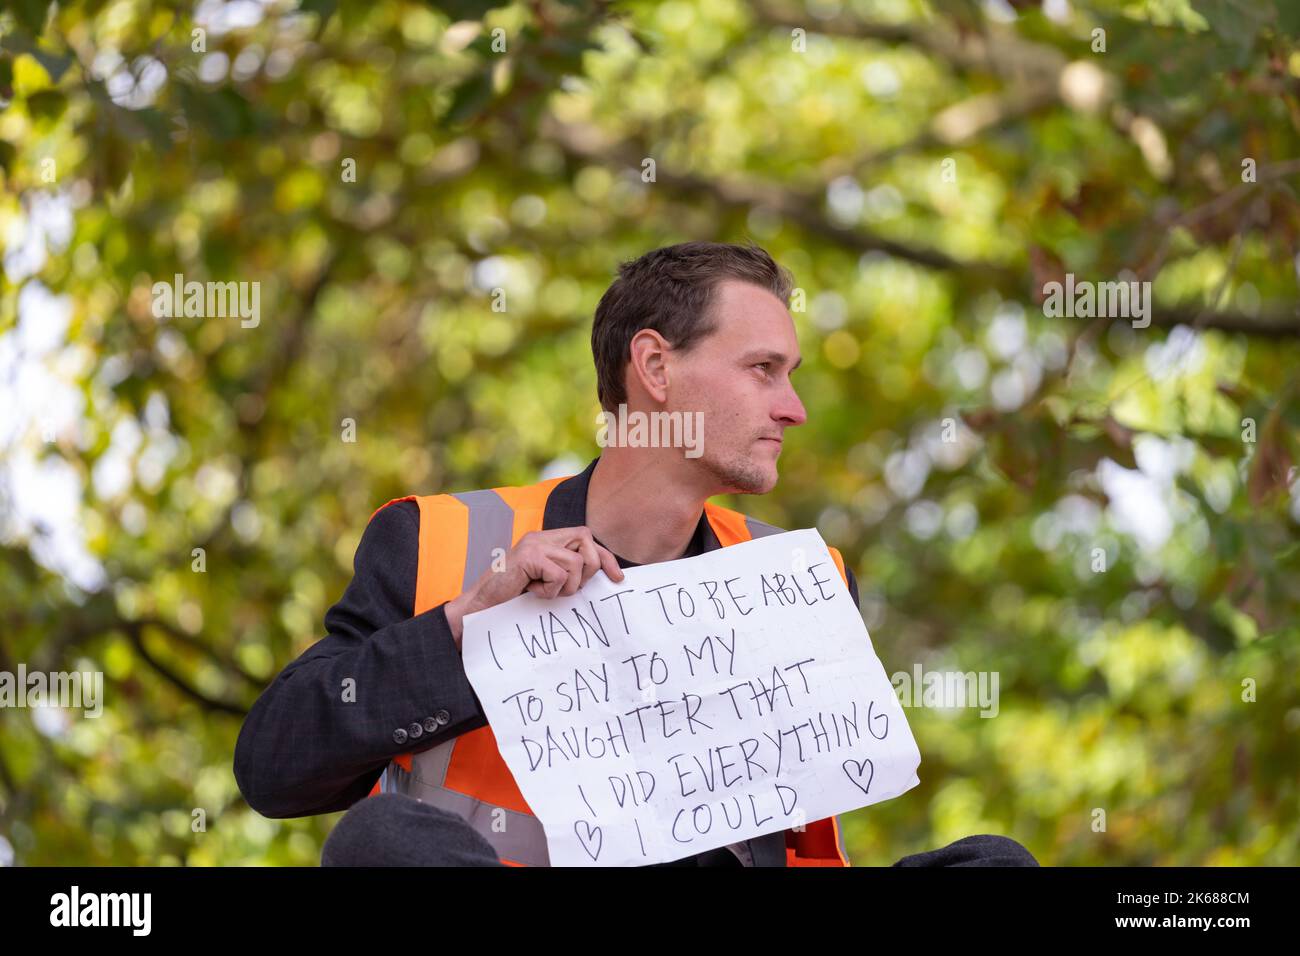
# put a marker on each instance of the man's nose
(791, 410)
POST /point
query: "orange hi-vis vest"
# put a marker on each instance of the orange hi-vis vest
(467, 775)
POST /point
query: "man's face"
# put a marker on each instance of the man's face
(739, 377)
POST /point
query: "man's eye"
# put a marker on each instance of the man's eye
(763, 365)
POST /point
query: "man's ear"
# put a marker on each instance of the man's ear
(647, 360)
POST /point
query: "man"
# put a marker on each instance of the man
(699, 329)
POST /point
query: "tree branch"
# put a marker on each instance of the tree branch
(968, 52)
(135, 634)
(587, 144)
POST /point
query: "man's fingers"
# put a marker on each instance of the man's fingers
(586, 547)
(609, 563)
(549, 577)
(569, 562)
(572, 564)
(596, 555)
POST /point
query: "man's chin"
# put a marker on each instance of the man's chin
(753, 478)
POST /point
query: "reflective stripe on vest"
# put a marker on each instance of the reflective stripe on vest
(467, 774)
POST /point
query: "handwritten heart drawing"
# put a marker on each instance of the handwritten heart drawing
(854, 768)
(585, 840)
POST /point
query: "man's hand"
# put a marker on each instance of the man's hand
(547, 563)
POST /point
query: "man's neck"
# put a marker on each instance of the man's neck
(642, 503)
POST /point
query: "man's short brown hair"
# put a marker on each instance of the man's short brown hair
(671, 290)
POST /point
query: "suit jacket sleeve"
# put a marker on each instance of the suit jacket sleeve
(305, 747)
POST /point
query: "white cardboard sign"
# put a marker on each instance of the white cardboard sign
(696, 704)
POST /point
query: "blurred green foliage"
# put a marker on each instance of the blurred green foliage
(922, 168)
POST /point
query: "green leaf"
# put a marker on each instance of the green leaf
(469, 99)
(1237, 21)
(465, 9)
(322, 8)
(31, 14)
(1288, 18)
(325, 9)
(46, 104)
(55, 64)
(560, 55)
(222, 112)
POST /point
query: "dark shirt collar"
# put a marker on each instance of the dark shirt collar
(566, 507)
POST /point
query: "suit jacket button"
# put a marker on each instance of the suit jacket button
(442, 717)
(399, 736)
(430, 725)
(415, 731)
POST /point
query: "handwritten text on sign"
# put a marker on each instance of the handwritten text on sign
(697, 703)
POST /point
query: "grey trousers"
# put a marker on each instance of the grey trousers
(389, 829)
